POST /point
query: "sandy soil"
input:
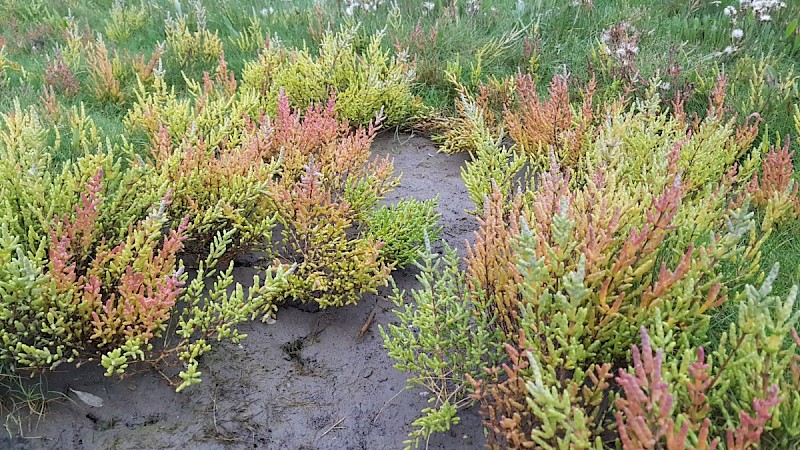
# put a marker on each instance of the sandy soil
(306, 382)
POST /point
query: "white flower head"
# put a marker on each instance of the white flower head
(729, 50)
(428, 6)
(763, 9)
(737, 33)
(364, 5)
(729, 11)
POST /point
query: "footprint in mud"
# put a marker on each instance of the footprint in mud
(294, 349)
(142, 421)
(101, 424)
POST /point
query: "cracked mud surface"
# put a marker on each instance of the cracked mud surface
(307, 381)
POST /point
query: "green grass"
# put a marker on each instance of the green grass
(670, 32)
(24, 402)
(782, 248)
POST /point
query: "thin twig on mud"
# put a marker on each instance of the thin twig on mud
(368, 322)
(170, 381)
(397, 137)
(387, 402)
(335, 426)
(214, 410)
